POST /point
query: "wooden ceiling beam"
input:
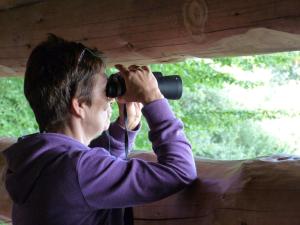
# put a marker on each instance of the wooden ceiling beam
(150, 31)
(10, 4)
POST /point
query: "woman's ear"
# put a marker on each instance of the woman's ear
(77, 108)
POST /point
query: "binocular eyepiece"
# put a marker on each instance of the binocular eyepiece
(169, 86)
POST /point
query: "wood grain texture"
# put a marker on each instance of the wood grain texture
(262, 191)
(10, 4)
(5, 202)
(255, 192)
(151, 31)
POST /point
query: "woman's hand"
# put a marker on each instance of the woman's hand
(134, 114)
(141, 85)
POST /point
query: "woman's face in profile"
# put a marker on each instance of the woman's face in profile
(98, 114)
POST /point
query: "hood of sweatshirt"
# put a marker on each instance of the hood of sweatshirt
(28, 158)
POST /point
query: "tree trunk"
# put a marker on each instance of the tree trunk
(149, 31)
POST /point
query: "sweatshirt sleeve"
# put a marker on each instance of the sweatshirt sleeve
(114, 140)
(110, 182)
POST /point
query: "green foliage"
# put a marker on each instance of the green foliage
(16, 117)
(284, 65)
(243, 140)
(214, 124)
(196, 73)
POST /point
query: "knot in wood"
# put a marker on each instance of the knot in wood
(130, 46)
(195, 16)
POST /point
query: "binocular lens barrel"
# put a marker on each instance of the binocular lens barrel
(169, 86)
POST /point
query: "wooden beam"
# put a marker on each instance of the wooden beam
(9, 4)
(5, 202)
(240, 192)
(257, 192)
(152, 31)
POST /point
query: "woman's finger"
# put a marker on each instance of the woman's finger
(133, 67)
(123, 70)
(146, 68)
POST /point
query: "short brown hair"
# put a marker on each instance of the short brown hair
(57, 71)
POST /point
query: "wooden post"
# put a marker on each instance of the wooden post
(149, 31)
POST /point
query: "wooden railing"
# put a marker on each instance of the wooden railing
(263, 191)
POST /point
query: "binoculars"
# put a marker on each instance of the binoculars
(169, 86)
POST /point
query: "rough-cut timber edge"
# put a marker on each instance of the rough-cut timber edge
(9, 4)
(149, 31)
(263, 191)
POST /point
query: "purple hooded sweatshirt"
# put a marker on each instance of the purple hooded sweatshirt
(54, 179)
